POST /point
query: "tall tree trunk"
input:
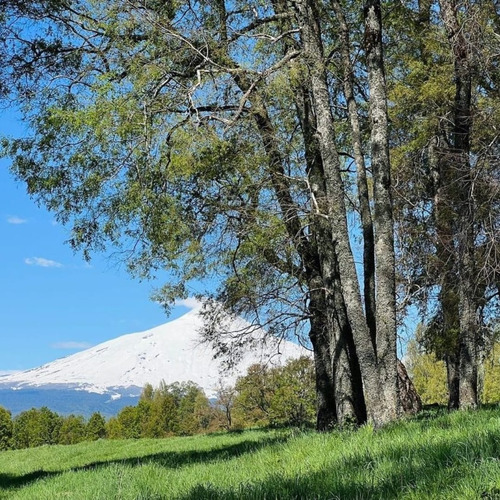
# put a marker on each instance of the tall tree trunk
(362, 183)
(376, 405)
(383, 214)
(349, 395)
(460, 140)
(453, 379)
(444, 216)
(326, 416)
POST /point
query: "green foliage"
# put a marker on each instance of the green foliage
(113, 428)
(72, 430)
(276, 396)
(129, 422)
(254, 393)
(176, 409)
(6, 427)
(96, 427)
(36, 427)
(428, 375)
(449, 456)
(294, 399)
(194, 411)
(491, 383)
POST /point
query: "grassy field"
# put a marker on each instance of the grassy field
(453, 456)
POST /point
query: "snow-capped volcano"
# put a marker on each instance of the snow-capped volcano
(172, 352)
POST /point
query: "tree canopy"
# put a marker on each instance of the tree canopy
(251, 143)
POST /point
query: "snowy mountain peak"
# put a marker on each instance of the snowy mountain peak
(172, 352)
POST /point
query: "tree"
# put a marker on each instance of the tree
(193, 411)
(293, 401)
(225, 401)
(428, 375)
(448, 174)
(72, 430)
(211, 138)
(96, 427)
(128, 425)
(6, 427)
(279, 395)
(254, 393)
(114, 429)
(163, 416)
(36, 427)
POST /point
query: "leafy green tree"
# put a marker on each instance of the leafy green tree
(6, 428)
(250, 140)
(72, 430)
(114, 429)
(96, 427)
(445, 105)
(254, 395)
(491, 383)
(129, 423)
(36, 427)
(293, 401)
(193, 413)
(428, 375)
(279, 395)
(163, 418)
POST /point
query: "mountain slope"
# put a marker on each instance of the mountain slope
(171, 352)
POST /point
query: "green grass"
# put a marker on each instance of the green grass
(454, 456)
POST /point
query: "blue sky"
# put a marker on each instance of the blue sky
(52, 303)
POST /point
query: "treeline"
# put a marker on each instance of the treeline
(429, 374)
(265, 396)
(37, 427)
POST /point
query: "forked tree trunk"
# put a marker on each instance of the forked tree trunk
(379, 383)
(361, 177)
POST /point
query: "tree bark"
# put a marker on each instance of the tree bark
(383, 215)
(410, 400)
(453, 380)
(375, 383)
(361, 178)
(349, 397)
(460, 140)
(321, 341)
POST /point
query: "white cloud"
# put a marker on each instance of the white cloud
(4, 373)
(71, 345)
(41, 262)
(14, 219)
(190, 303)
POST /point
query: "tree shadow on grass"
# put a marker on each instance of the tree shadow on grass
(393, 471)
(166, 459)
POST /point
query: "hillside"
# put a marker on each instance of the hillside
(454, 456)
(116, 370)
